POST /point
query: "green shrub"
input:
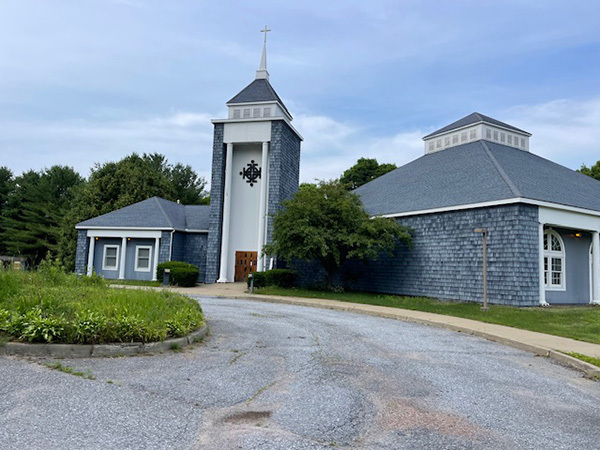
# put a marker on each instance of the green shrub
(284, 278)
(182, 273)
(37, 328)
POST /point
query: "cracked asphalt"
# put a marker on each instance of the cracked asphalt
(288, 377)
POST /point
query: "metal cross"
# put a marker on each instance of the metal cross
(266, 30)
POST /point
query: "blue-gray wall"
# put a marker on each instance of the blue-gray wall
(130, 272)
(178, 246)
(217, 188)
(447, 257)
(99, 252)
(577, 260)
(81, 252)
(195, 252)
(284, 169)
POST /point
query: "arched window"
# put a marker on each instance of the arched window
(554, 260)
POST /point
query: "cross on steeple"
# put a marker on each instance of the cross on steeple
(266, 30)
(262, 73)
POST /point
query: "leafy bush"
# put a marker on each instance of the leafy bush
(53, 306)
(284, 278)
(182, 274)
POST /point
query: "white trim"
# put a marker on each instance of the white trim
(542, 287)
(124, 233)
(262, 205)
(104, 266)
(225, 223)
(123, 258)
(596, 267)
(507, 201)
(156, 256)
(187, 230)
(137, 268)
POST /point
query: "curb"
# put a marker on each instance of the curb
(101, 350)
(589, 370)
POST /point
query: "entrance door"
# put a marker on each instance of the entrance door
(245, 263)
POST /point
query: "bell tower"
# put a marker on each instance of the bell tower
(256, 164)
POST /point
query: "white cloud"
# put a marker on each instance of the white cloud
(565, 131)
(184, 137)
(330, 147)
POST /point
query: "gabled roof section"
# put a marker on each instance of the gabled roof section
(477, 172)
(155, 212)
(260, 90)
(472, 119)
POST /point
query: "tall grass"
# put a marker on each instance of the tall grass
(49, 305)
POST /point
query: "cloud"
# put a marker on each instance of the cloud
(565, 131)
(184, 137)
(330, 147)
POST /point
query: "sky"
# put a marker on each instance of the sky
(84, 82)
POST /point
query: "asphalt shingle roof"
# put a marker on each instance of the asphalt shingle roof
(472, 119)
(259, 90)
(154, 212)
(477, 172)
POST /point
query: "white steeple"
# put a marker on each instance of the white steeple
(262, 72)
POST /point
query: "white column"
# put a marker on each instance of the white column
(263, 205)
(226, 216)
(123, 257)
(90, 264)
(155, 261)
(543, 301)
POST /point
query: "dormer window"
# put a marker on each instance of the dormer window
(495, 135)
(236, 113)
(446, 141)
(463, 136)
(455, 139)
(509, 139)
(256, 112)
(266, 112)
(247, 113)
(522, 142)
(488, 133)
(472, 135)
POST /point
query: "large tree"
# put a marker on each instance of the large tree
(324, 222)
(114, 185)
(365, 170)
(34, 210)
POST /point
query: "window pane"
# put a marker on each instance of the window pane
(556, 264)
(111, 252)
(144, 252)
(555, 244)
(143, 263)
(556, 278)
(546, 242)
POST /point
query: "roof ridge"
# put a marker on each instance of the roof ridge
(501, 171)
(162, 210)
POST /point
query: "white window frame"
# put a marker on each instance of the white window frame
(549, 254)
(137, 253)
(116, 266)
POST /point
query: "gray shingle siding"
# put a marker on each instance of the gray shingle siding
(446, 261)
(164, 251)
(81, 252)
(284, 169)
(217, 187)
(195, 252)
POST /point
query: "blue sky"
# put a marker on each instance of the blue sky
(90, 81)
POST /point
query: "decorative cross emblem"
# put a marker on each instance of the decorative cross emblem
(266, 30)
(251, 172)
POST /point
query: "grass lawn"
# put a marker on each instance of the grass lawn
(576, 322)
(49, 305)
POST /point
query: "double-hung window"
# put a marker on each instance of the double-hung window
(142, 258)
(110, 257)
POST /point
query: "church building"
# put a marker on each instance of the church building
(477, 176)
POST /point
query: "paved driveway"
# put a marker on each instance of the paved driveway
(281, 377)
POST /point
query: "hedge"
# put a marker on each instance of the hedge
(284, 278)
(182, 274)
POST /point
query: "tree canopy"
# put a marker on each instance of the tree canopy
(365, 170)
(324, 222)
(34, 210)
(593, 171)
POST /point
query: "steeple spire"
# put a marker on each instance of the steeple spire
(262, 72)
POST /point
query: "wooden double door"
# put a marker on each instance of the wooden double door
(245, 263)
